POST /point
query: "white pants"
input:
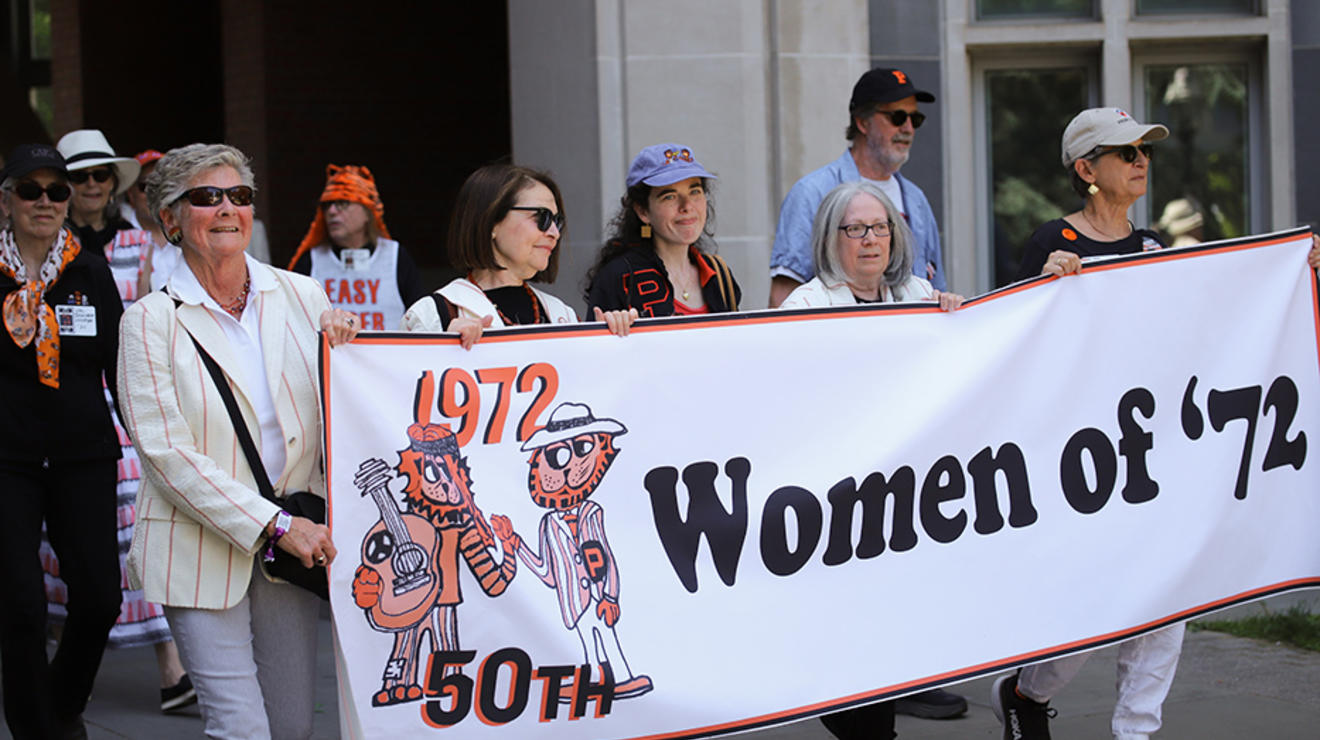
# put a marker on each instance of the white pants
(259, 652)
(1146, 666)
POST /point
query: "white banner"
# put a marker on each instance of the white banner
(728, 522)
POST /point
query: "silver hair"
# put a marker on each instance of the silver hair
(825, 234)
(176, 170)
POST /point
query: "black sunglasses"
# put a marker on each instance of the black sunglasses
(544, 216)
(1128, 152)
(207, 196)
(900, 117)
(58, 192)
(100, 174)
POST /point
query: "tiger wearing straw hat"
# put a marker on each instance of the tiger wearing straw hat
(570, 456)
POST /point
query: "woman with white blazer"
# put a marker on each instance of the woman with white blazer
(247, 640)
(503, 235)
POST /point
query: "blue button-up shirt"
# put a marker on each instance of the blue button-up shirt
(792, 250)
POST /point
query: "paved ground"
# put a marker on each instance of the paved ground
(1227, 689)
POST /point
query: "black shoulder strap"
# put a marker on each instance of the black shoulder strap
(444, 309)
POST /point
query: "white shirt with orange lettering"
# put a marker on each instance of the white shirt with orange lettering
(366, 284)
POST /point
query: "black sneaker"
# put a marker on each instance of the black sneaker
(932, 704)
(1023, 719)
(178, 696)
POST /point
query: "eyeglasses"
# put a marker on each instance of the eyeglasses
(900, 117)
(858, 231)
(1128, 152)
(207, 196)
(58, 192)
(100, 174)
(544, 216)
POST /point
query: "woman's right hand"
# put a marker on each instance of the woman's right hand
(306, 540)
(1062, 262)
(469, 329)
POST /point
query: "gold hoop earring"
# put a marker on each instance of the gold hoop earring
(646, 231)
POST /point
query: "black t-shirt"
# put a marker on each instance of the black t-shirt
(95, 240)
(1059, 234)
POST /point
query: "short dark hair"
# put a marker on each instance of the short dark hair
(484, 200)
(865, 110)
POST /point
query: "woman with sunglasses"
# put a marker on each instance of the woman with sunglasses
(504, 234)
(249, 641)
(657, 259)
(1108, 157)
(348, 245)
(98, 177)
(58, 446)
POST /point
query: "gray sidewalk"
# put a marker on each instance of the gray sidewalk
(1226, 688)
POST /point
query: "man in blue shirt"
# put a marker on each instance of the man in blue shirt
(882, 123)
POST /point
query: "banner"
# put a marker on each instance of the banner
(727, 522)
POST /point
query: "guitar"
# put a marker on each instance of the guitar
(402, 549)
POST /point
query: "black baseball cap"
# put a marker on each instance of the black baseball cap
(883, 85)
(27, 158)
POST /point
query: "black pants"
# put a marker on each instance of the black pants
(77, 501)
(869, 722)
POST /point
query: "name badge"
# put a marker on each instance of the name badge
(356, 259)
(76, 321)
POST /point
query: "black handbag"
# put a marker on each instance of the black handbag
(299, 503)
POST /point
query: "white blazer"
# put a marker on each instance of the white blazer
(200, 518)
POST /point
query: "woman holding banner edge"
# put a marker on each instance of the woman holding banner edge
(862, 256)
(523, 211)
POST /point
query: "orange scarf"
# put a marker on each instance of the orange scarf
(25, 310)
(353, 184)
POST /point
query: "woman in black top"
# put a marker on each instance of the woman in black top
(58, 447)
(1108, 157)
(654, 259)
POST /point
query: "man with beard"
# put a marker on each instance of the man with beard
(438, 490)
(569, 458)
(882, 123)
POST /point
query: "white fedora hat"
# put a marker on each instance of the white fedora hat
(570, 420)
(87, 147)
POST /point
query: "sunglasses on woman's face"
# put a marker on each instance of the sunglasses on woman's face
(57, 192)
(100, 174)
(1128, 152)
(900, 117)
(208, 196)
(544, 216)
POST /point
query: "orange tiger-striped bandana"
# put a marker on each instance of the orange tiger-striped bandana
(25, 311)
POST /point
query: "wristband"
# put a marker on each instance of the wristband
(283, 523)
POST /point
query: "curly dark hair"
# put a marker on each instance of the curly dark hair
(624, 231)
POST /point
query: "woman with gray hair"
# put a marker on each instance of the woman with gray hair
(248, 640)
(862, 254)
(58, 447)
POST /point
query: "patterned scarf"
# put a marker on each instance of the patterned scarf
(25, 310)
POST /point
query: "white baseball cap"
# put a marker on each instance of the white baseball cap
(1095, 127)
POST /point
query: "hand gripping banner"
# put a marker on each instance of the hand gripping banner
(727, 522)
